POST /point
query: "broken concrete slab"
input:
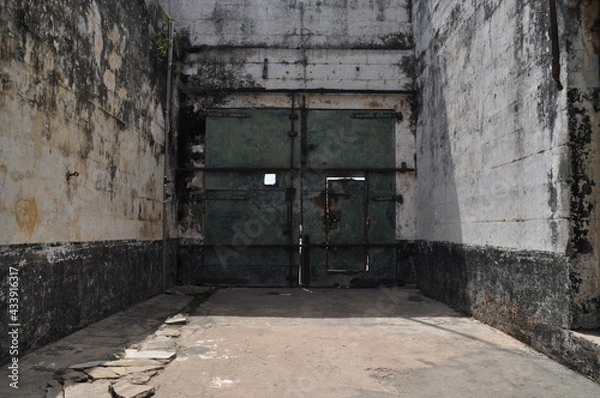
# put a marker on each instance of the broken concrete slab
(137, 369)
(125, 389)
(149, 354)
(141, 378)
(86, 365)
(94, 343)
(116, 372)
(158, 343)
(102, 373)
(75, 375)
(168, 332)
(178, 319)
(98, 389)
(133, 363)
(54, 390)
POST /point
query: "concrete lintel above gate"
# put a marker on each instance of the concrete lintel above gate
(290, 69)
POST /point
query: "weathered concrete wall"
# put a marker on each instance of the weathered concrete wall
(295, 23)
(66, 286)
(506, 165)
(492, 143)
(289, 45)
(292, 69)
(81, 158)
(523, 293)
(584, 129)
(79, 95)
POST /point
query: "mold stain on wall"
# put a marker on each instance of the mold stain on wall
(584, 128)
(27, 215)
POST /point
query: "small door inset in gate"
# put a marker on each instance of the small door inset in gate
(345, 224)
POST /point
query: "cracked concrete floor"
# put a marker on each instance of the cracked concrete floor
(353, 343)
(247, 342)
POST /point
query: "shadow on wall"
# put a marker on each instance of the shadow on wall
(439, 212)
(442, 274)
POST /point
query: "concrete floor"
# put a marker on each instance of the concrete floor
(324, 343)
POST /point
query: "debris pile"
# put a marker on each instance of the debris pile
(127, 376)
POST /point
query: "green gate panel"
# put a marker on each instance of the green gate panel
(251, 217)
(270, 174)
(241, 138)
(348, 139)
(247, 201)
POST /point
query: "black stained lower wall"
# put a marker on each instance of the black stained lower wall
(190, 264)
(63, 287)
(517, 292)
(524, 294)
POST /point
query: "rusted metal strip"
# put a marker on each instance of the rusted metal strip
(236, 115)
(377, 115)
(304, 245)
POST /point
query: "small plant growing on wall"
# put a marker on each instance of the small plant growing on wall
(161, 40)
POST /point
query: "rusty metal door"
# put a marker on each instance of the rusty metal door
(346, 221)
(299, 197)
(348, 197)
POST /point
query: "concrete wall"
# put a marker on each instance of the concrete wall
(583, 107)
(293, 23)
(274, 44)
(81, 160)
(492, 143)
(506, 165)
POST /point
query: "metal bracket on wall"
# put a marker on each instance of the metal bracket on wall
(70, 175)
(404, 168)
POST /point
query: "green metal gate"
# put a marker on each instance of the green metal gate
(299, 196)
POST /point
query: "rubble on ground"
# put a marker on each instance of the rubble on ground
(127, 376)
